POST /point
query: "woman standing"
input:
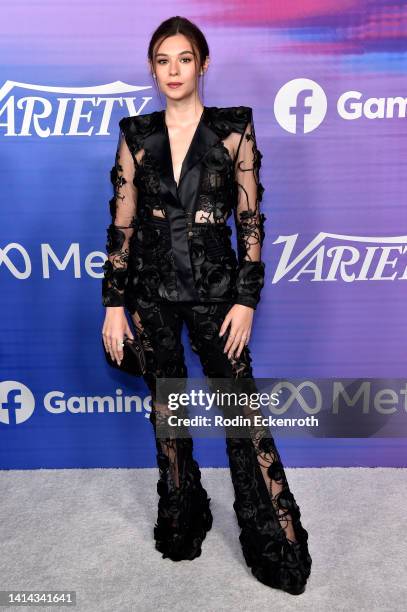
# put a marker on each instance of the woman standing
(178, 176)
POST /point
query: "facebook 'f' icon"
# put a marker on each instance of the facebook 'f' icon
(301, 109)
(300, 106)
(16, 402)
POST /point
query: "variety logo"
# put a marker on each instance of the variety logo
(369, 258)
(65, 111)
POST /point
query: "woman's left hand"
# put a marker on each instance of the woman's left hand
(240, 319)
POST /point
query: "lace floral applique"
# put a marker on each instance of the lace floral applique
(123, 212)
(248, 218)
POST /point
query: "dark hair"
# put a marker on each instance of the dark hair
(180, 25)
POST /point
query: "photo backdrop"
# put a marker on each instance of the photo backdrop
(327, 84)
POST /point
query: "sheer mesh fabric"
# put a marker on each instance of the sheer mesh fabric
(274, 543)
(239, 159)
(249, 220)
(268, 458)
(160, 411)
(250, 234)
(229, 181)
(273, 540)
(270, 464)
(123, 209)
(184, 515)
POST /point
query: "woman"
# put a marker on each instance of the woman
(178, 175)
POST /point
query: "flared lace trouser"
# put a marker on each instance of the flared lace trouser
(273, 540)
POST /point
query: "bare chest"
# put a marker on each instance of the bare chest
(180, 142)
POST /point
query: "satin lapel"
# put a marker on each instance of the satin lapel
(180, 202)
(188, 188)
(158, 147)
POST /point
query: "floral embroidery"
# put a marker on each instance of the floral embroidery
(229, 183)
(274, 542)
(123, 210)
(249, 220)
(140, 273)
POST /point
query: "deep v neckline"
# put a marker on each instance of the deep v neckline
(189, 147)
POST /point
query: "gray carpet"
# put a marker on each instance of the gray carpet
(91, 531)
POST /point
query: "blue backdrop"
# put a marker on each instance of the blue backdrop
(327, 82)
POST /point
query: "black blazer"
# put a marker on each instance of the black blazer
(172, 242)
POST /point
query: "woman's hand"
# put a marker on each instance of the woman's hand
(115, 327)
(240, 319)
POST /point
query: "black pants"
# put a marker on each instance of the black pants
(274, 543)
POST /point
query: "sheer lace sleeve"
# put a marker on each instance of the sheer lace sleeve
(123, 212)
(248, 218)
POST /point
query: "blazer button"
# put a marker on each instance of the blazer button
(190, 234)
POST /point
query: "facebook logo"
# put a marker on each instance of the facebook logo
(301, 109)
(16, 402)
(300, 106)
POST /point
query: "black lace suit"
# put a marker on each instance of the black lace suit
(170, 261)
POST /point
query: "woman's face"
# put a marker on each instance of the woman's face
(174, 62)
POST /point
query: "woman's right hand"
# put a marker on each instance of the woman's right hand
(115, 328)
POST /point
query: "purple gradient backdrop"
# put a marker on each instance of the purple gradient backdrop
(345, 177)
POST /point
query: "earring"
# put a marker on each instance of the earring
(154, 76)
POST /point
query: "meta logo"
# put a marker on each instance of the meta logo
(326, 257)
(44, 110)
(300, 106)
(17, 260)
(17, 403)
